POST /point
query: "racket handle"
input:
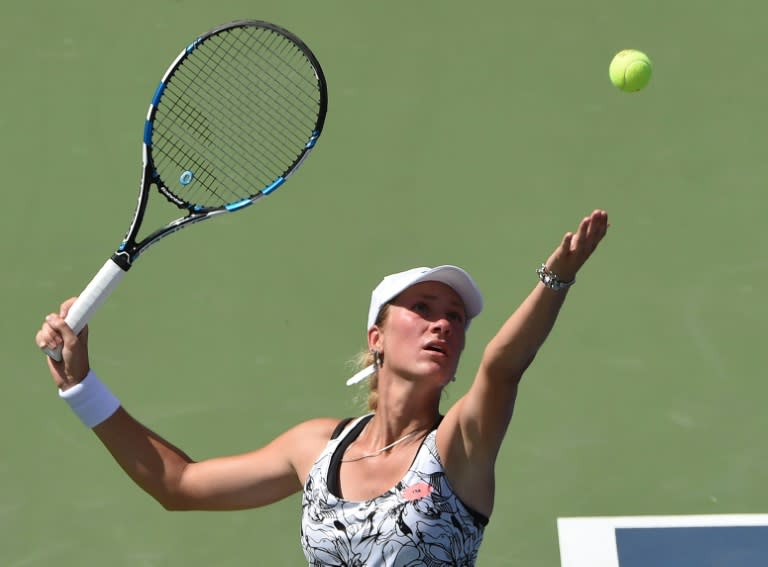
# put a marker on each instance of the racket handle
(90, 300)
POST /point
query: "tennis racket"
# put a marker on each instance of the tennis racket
(235, 114)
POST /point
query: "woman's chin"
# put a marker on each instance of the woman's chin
(438, 372)
(429, 371)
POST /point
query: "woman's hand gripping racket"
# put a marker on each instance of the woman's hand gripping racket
(234, 115)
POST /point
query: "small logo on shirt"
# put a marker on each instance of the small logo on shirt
(417, 491)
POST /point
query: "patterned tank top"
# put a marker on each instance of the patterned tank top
(420, 521)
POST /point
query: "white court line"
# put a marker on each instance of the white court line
(591, 542)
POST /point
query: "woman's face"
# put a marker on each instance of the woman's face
(424, 331)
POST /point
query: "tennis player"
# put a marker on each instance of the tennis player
(401, 485)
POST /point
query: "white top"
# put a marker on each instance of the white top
(419, 521)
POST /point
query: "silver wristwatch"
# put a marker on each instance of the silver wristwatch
(551, 279)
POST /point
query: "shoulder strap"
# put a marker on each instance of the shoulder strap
(333, 483)
(340, 427)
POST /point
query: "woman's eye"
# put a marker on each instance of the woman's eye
(455, 317)
(420, 307)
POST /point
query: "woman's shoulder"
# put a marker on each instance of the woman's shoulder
(319, 427)
(308, 439)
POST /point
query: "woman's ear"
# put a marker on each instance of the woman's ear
(375, 338)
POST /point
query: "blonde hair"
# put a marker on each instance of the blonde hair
(365, 358)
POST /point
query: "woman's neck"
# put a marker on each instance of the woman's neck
(402, 407)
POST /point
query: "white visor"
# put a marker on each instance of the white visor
(394, 284)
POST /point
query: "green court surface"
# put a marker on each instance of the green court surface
(474, 134)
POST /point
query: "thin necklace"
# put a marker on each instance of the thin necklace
(380, 451)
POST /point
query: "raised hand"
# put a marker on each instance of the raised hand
(576, 247)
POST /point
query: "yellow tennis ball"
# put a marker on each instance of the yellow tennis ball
(630, 70)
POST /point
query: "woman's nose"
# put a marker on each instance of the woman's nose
(442, 324)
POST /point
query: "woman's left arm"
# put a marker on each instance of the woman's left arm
(513, 348)
(483, 414)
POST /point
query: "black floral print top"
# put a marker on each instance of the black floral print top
(420, 521)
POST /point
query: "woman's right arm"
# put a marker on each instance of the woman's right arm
(236, 482)
(165, 472)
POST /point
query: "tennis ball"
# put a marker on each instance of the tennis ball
(630, 70)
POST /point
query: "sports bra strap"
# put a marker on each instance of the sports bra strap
(340, 427)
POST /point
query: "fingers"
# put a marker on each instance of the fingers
(54, 330)
(56, 333)
(598, 226)
(576, 247)
(565, 245)
(48, 337)
(59, 326)
(584, 226)
(591, 231)
(64, 309)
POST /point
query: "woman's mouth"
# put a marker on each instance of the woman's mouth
(436, 347)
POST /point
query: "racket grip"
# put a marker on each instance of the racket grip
(94, 294)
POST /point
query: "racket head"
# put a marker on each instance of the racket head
(235, 114)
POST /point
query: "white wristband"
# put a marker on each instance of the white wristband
(91, 400)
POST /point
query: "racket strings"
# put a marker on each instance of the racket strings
(236, 115)
(180, 145)
(266, 129)
(182, 155)
(216, 152)
(246, 136)
(266, 103)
